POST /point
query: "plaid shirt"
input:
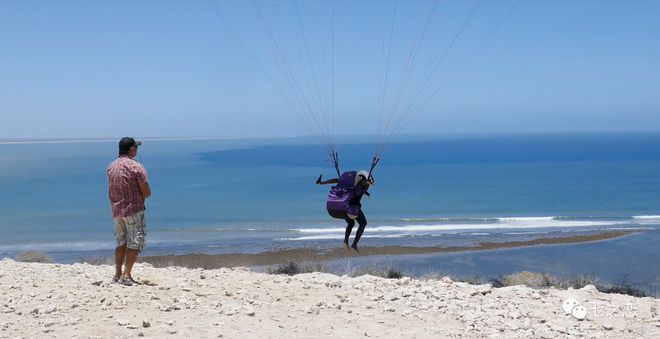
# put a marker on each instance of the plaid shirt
(124, 176)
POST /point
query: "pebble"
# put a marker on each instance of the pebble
(482, 290)
(146, 323)
(404, 281)
(249, 311)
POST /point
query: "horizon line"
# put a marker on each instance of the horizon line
(62, 140)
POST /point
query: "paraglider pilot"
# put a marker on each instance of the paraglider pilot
(344, 201)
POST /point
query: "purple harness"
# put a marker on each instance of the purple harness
(340, 196)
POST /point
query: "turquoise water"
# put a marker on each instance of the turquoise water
(228, 195)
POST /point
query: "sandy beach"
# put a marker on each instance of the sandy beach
(80, 301)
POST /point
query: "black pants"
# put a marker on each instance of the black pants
(362, 221)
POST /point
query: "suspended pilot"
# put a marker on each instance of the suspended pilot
(344, 201)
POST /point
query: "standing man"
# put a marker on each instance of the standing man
(127, 188)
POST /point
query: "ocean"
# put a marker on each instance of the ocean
(239, 195)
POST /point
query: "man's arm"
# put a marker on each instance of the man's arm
(144, 188)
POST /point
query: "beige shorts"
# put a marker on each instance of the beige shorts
(131, 231)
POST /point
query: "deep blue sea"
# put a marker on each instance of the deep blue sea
(232, 195)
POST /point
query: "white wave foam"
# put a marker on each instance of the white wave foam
(320, 230)
(340, 236)
(489, 219)
(442, 219)
(526, 219)
(647, 217)
(514, 223)
(525, 233)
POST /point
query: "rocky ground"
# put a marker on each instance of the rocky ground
(79, 300)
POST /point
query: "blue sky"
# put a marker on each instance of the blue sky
(173, 68)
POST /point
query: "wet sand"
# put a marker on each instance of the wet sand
(213, 261)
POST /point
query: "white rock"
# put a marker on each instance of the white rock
(483, 290)
(123, 322)
(404, 281)
(608, 326)
(589, 288)
(543, 332)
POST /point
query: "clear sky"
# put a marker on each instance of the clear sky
(73, 69)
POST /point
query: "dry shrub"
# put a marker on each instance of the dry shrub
(293, 268)
(530, 279)
(383, 271)
(33, 256)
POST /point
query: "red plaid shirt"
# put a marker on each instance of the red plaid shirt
(124, 176)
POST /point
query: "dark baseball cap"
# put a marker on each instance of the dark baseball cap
(126, 143)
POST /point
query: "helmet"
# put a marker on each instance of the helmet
(361, 173)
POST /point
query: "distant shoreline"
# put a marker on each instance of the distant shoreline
(82, 140)
(212, 261)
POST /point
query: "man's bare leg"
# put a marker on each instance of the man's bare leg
(131, 257)
(120, 255)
